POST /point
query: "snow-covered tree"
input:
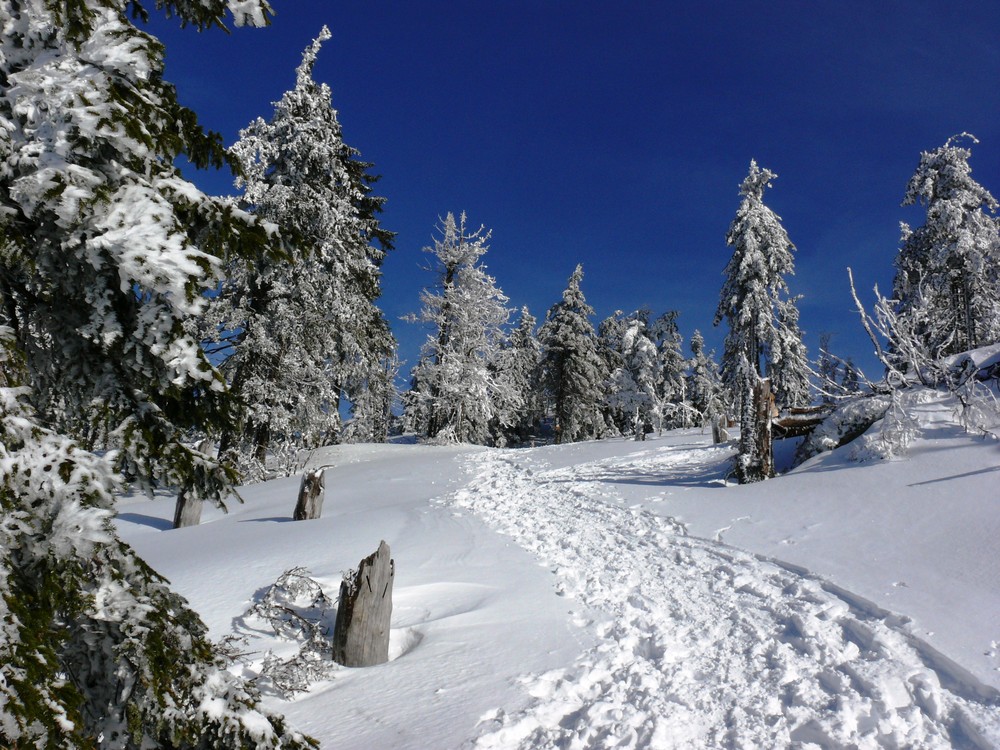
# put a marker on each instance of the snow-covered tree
(517, 364)
(754, 302)
(789, 367)
(106, 252)
(763, 332)
(704, 384)
(457, 395)
(827, 369)
(304, 331)
(371, 407)
(672, 391)
(633, 387)
(851, 379)
(572, 369)
(948, 270)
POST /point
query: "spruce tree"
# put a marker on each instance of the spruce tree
(672, 366)
(634, 386)
(304, 330)
(517, 364)
(457, 394)
(763, 335)
(106, 252)
(572, 369)
(947, 272)
(704, 384)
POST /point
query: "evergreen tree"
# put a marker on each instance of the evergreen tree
(947, 273)
(634, 385)
(789, 367)
(305, 330)
(517, 364)
(618, 418)
(762, 318)
(851, 381)
(827, 368)
(704, 382)
(572, 369)
(673, 388)
(457, 395)
(106, 252)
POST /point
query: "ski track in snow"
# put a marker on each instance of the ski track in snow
(700, 645)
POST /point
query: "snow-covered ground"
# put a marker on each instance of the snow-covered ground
(620, 594)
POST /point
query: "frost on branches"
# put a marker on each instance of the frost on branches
(457, 395)
(105, 253)
(517, 365)
(92, 642)
(106, 248)
(303, 332)
(948, 271)
(572, 368)
(764, 338)
(704, 384)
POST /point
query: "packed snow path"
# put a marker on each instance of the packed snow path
(702, 645)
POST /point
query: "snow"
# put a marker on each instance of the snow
(621, 593)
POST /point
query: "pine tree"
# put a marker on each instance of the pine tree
(634, 384)
(947, 273)
(305, 330)
(457, 395)
(673, 387)
(705, 387)
(789, 367)
(517, 364)
(762, 318)
(828, 369)
(105, 254)
(572, 369)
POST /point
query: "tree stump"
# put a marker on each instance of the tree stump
(187, 512)
(361, 632)
(720, 433)
(311, 491)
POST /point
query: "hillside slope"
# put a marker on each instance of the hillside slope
(619, 592)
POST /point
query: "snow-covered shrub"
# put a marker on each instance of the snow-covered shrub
(297, 609)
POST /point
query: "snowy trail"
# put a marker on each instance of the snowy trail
(705, 646)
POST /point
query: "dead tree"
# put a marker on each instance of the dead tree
(311, 491)
(187, 511)
(755, 461)
(720, 431)
(361, 632)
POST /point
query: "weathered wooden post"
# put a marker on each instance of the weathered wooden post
(361, 632)
(720, 432)
(187, 511)
(311, 491)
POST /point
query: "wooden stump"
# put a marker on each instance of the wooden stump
(311, 491)
(187, 512)
(720, 433)
(361, 633)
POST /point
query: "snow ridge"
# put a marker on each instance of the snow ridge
(704, 646)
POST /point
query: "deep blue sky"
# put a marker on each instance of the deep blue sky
(616, 134)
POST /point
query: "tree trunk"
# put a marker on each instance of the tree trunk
(311, 491)
(756, 456)
(764, 403)
(187, 512)
(361, 632)
(719, 432)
